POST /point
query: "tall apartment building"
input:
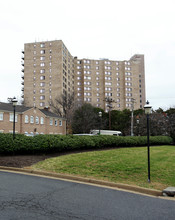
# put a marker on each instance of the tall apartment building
(50, 70)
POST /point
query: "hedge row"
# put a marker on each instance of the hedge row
(57, 143)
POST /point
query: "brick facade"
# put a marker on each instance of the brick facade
(50, 70)
(30, 120)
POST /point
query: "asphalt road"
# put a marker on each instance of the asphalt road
(30, 197)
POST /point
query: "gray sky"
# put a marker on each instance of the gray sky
(114, 29)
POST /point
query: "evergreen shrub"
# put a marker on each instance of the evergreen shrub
(42, 144)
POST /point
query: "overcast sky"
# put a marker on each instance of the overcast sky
(114, 29)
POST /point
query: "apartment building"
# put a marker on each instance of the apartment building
(30, 120)
(50, 70)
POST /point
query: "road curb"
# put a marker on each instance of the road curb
(86, 180)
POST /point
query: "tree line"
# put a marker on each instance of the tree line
(81, 119)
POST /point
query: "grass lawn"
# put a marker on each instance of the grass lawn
(124, 165)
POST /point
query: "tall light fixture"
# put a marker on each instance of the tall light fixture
(100, 116)
(14, 101)
(148, 108)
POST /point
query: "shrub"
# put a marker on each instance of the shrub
(57, 143)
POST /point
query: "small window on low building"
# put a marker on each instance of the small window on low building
(56, 122)
(12, 117)
(26, 119)
(42, 120)
(37, 120)
(1, 116)
(31, 119)
(51, 121)
(60, 123)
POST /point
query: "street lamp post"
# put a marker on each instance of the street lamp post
(14, 101)
(147, 108)
(138, 121)
(132, 117)
(100, 116)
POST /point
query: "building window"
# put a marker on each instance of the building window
(12, 117)
(42, 77)
(42, 64)
(87, 88)
(42, 71)
(37, 120)
(26, 119)
(87, 83)
(87, 99)
(42, 84)
(60, 123)
(42, 45)
(42, 58)
(31, 119)
(42, 120)
(42, 104)
(42, 97)
(87, 72)
(42, 90)
(87, 77)
(1, 116)
(42, 52)
(56, 122)
(87, 93)
(51, 121)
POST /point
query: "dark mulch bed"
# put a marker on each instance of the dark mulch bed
(28, 160)
(21, 160)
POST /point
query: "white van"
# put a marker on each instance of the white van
(106, 132)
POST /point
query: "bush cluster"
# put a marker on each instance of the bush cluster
(58, 143)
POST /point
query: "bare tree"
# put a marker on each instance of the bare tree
(63, 106)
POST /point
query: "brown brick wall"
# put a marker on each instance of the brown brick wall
(21, 127)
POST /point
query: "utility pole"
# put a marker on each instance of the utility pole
(109, 105)
(132, 116)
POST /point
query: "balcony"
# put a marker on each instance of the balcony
(22, 70)
(22, 89)
(22, 77)
(22, 56)
(22, 51)
(22, 83)
(22, 96)
(22, 62)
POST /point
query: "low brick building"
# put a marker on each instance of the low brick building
(30, 120)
